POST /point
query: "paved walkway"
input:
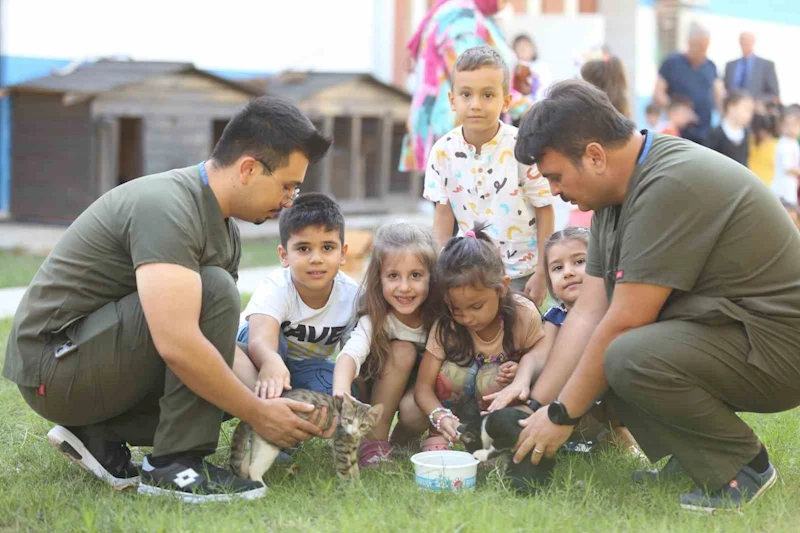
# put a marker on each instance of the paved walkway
(42, 238)
(248, 280)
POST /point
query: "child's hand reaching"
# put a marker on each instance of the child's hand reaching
(507, 396)
(342, 394)
(448, 427)
(536, 288)
(507, 373)
(272, 381)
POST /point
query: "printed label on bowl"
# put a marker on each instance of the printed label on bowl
(443, 483)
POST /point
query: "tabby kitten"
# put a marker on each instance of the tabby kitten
(252, 456)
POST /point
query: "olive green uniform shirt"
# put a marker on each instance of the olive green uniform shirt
(705, 226)
(172, 217)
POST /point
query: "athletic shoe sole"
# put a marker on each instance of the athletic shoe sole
(714, 510)
(73, 449)
(189, 497)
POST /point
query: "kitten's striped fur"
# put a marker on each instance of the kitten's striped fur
(252, 456)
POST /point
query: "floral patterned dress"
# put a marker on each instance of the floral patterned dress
(454, 26)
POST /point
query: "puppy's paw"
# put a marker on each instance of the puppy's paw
(481, 455)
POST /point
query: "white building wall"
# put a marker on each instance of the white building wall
(248, 35)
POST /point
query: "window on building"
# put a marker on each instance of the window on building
(553, 7)
(129, 155)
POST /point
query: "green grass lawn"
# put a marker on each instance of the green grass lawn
(41, 491)
(18, 267)
(259, 253)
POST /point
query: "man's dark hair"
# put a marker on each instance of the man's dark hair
(269, 129)
(574, 114)
(311, 209)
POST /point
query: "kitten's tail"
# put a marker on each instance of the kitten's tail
(241, 449)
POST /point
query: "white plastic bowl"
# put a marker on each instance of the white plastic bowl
(445, 470)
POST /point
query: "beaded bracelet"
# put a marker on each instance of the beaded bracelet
(438, 410)
(438, 424)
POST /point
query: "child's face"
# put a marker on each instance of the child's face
(566, 263)
(475, 308)
(741, 113)
(791, 126)
(405, 283)
(682, 116)
(525, 50)
(314, 256)
(478, 98)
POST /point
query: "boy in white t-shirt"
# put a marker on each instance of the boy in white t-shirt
(296, 316)
(787, 159)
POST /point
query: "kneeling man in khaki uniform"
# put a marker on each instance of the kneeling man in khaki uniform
(690, 308)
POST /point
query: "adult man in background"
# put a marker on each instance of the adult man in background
(751, 73)
(692, 75)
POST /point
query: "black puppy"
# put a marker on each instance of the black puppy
(495, 434)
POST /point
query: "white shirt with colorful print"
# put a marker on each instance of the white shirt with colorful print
(490, 187)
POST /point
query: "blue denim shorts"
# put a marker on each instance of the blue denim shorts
(312, 374)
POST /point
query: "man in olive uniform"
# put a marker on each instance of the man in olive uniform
(127, 333)
(690, 308)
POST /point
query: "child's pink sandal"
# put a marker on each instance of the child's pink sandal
(372, 453)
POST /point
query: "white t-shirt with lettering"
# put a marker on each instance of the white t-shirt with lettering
(310, 333)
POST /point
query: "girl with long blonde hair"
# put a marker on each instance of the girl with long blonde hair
(393, 319)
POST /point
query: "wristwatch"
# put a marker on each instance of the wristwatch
(534, 405)
(558, 415)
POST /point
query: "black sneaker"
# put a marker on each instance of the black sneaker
(671, 469)
(106, 460)
(746, 487)
(194, 480)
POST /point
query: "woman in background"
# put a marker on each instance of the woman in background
(449, 28)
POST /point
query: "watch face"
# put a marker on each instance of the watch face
(554, 413)
(558, 415)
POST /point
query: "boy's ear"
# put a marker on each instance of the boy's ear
(506, 102)
(344, 254)
(283, 255)
(452, 100)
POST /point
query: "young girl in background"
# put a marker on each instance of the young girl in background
(565, 257)
(483, 333)
(608, 75)
(393, 319)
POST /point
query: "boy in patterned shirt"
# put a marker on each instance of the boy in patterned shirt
(472, 174)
